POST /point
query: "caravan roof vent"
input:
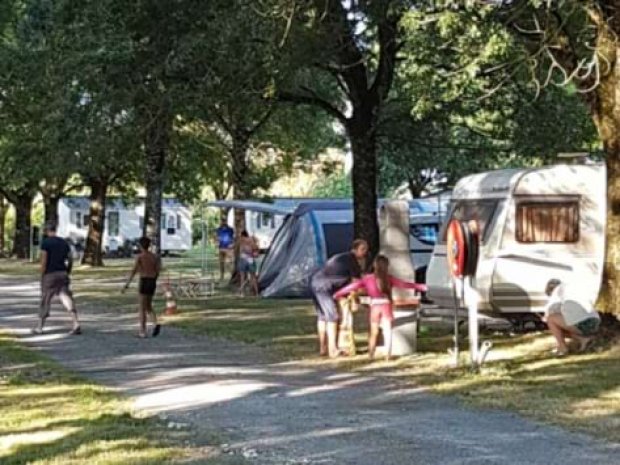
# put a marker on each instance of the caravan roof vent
(575, 158)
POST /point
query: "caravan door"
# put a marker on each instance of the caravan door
(486, 213)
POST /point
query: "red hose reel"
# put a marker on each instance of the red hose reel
(463, 248)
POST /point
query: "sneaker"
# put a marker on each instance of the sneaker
(156, 330)
(36, 331)
(75, 331)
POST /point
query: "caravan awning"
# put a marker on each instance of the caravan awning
(252, 206)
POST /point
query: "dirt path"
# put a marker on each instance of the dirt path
(273, 413)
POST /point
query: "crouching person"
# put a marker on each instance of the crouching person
(567, 317)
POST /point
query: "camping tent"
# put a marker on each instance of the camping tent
(315, 231)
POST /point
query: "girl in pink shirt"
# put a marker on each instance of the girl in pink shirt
(378, 287)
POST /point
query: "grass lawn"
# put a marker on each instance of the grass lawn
(50, 417)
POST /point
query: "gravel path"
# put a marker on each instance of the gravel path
(274, 413)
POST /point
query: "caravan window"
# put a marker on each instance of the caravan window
(545, 221)
(465, 210)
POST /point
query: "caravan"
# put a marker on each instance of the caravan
(535, 224)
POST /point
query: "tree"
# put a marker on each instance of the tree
(449, 115)
(575, 43)
(139, 57)
(258, 138)
(347, 55)
(3, 213)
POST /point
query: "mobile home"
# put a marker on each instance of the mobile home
(124, 222)
(535, 224)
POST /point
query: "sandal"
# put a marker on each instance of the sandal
(156, 330)
(559, 353)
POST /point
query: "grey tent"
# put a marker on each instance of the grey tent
(317, 230)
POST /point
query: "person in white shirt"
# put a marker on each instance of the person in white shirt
(568, 317)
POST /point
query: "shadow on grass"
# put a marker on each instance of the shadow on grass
(120, 438)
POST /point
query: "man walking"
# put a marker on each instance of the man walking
(225, 240)
(56, 264)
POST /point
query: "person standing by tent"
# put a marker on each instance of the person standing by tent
(56, 265)
(225, 239)
(336, 273)
(246, 265)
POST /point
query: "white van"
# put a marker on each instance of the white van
(535, 224)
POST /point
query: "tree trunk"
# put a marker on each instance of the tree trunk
(93, 252)
(50, 203)
(157, 143)
(241, 189)
(604, 105)
(3, 209)
(23, 209)
(364, 179)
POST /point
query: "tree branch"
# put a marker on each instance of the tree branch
(313, 100)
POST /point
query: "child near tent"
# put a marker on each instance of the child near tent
(378, 287)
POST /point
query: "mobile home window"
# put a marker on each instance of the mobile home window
(113, 224)
(268, 220)
(548, 222)
(481, 211)
(172, 226)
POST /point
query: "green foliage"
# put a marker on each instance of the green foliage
(460, 107)
(335, 185)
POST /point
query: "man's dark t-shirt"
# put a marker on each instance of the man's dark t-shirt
(340, 269)
(57, 254)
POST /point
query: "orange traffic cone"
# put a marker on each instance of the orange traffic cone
(171, 303)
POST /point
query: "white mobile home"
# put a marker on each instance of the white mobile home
(124, 222)
(535, 225)
(260, 224)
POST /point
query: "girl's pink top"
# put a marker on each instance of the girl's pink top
(369, 283)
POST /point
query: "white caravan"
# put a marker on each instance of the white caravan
(535, 224)
(124, 222)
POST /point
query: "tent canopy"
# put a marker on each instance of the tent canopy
(252, 205)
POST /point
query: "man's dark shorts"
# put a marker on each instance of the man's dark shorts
(147, 286)
(322, 294)
(589, 326)
(55, 284)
